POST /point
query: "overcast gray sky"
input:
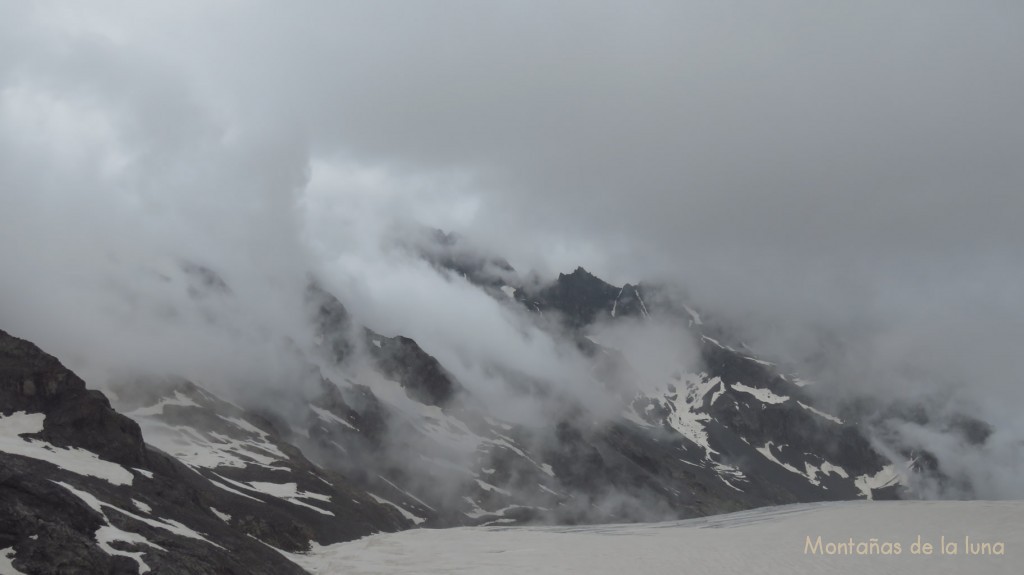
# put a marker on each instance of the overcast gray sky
(874, 133)
(849, 166)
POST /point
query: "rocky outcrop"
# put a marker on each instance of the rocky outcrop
(35, 382)
(580, 298)
(390, 439)
(80, 492)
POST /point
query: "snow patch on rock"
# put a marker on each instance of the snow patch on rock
(75, 460)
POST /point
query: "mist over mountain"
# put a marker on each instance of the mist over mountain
(462, 263)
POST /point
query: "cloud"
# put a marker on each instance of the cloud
(840, 183)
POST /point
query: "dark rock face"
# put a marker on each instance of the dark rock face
(61, 523)
(397, 357)
(390, 440)
(734, 436)
(783, 423)
(765, 444)
(580, 297)
(35, 382)
(146, 507)
(420, 374)
(759, 440)
(223, 444)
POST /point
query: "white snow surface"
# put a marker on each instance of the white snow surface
(407, 494)
(759, 361)
(209, 450)
(765, 450)
(7, 562)
(728, 474)
(488, 487)
(689, 398)
(286, 491)
(763, 395)
(884, 478)
(77, 461)
(108, 533)
(328, 416)
(811, 472)
(226, 518)
(716, 342)
(820, 413)
(416, 519)
(643, 308)
(169, 525)
(143, 507)
(767, 540)
(615, 304)
(179, 399)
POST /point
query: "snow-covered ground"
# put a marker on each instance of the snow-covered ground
(79, 461)
(856, 538)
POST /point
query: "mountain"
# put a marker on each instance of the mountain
(80, 491)
(170, 475)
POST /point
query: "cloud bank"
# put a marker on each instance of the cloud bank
(839, 183)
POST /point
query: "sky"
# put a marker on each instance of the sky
(845, 172)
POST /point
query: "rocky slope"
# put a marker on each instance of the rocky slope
(80, 491)
(385, 438)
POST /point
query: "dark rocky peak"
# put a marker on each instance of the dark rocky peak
(580, 297)
(422, 376)
(30, 379)
(35, 382)
(452, 253)
(85, 495)
(581, 277)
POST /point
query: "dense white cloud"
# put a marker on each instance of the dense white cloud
(847, 169)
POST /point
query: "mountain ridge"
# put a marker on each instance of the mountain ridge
(394, 440)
